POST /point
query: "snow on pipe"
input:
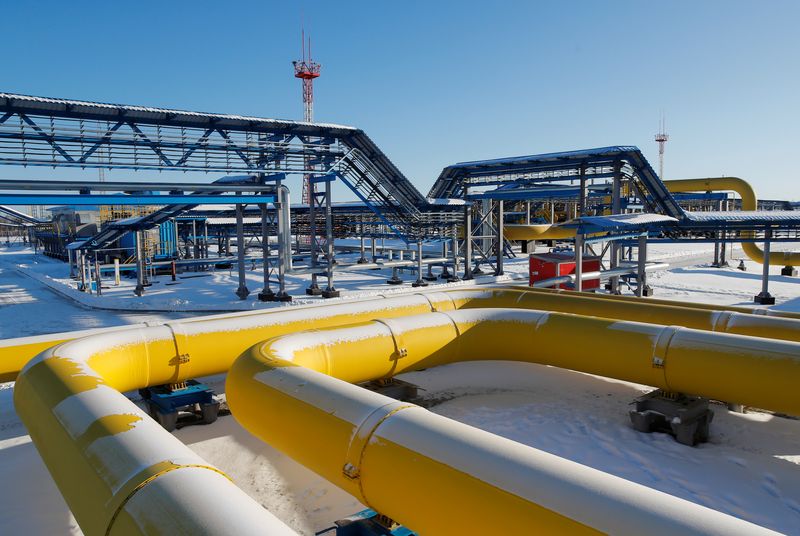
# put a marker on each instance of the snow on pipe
(295, 393)
(657, 301)
(107, 456)
(118, 470)
(749, 202)
(14, 353)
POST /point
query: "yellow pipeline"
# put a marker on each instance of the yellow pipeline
(69, 396)
(683, 305)
(14, 353)
(384, 452)
(543, 231)
(748, 195)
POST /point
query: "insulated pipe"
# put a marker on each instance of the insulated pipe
(380, 450)
(14, 353)
(749, 202)
(686, 305)
(543, 231)
(76, 386)
(118, 470)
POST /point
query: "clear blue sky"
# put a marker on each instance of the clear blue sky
(440, 82)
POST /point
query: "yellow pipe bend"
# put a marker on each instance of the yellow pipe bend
(14, 353)
(378, 449)
(69, 397)
(749, 202)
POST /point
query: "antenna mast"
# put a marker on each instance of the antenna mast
(306, 69)
(661, 138)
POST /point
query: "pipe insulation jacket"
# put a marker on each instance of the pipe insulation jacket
(14, 353)
(295, 393)
(749, 202)
(107, 456)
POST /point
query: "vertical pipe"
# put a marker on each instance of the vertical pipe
(71, 261)
(282, 207)
(195, 249)
(582, 196)
(764, 297)
(445, 270)
(468, 241)
(454, 249)
(499, 238)
(419, 282)
(139, 290)
(266, 294)
(362, 259)
(116, 272)
(205, 238)
(579, 261)
(313, 289)
(98, 278)
(615, 209)
(527, 212)
(641, 274)
(372, 249)
(330, 291)
(242, 290)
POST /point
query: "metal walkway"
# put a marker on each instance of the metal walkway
(9, 216)
(459, 180)
(36, 131)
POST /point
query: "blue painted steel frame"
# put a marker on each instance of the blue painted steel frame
(125, 199)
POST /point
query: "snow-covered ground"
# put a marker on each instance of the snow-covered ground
(749, 468)
(215, 291)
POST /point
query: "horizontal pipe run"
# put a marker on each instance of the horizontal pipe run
(70, 400)
(378, 449)
(749, 202)
(14, 353)
(602, 275)
(686, 305)
(338, 267)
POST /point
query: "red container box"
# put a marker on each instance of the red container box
(548, 265)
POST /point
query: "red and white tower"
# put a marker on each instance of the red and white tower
(306, 69)
(661, 138)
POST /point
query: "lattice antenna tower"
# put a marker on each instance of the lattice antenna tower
(661, 138)
(306, 69)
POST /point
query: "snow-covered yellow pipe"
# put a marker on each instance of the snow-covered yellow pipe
(440, 477)
(14, 353)
(749, 202)
(766, 311)
(112, 462)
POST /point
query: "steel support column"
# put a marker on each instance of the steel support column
(642, 288)
(420, 282)
(330, 291)
(283, 209)
(615, 209)
(468, 241)
(764, 297)
(266, 294)
(141, 278)
(453, 278)
(242, 291)
(499, 239)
